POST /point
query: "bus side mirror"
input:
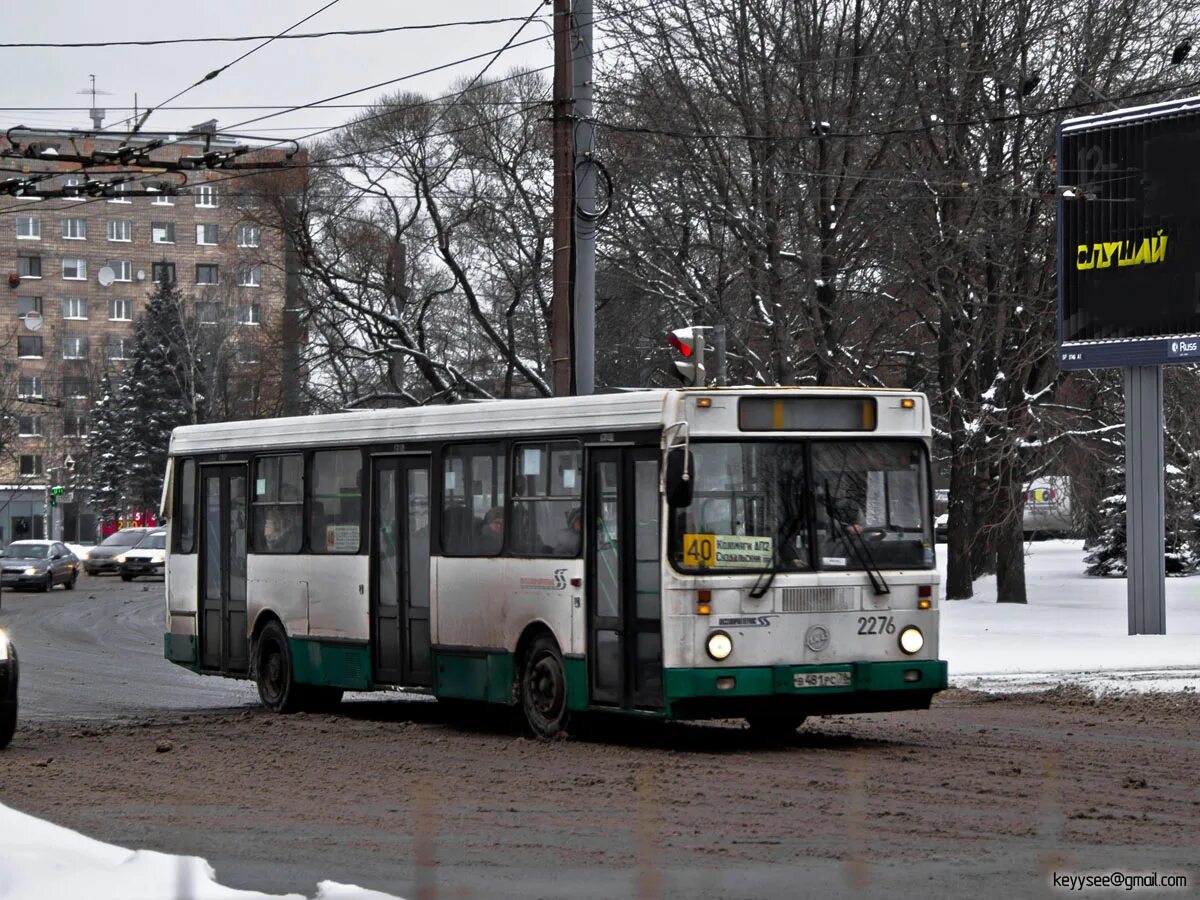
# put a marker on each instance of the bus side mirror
(679, 487)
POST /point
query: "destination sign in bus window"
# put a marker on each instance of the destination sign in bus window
(730, 551)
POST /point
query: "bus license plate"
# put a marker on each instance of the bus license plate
(820, 679)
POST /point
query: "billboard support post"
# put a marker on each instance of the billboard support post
(1145, 507)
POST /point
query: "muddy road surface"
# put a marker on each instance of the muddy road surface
(979, 797)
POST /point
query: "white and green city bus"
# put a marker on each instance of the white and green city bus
(681, 554)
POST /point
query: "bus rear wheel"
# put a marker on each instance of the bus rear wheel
(277, 689)
(544, 687)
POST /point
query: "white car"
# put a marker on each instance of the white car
(80, 550)
(147, 558)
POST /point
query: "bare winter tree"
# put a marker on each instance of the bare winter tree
(976, 246)
(422, 233)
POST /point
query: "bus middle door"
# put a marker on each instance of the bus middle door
(400, 628)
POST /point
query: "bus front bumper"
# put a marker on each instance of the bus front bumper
(811, 690)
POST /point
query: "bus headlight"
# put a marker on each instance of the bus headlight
(719, 645)
(911, 639)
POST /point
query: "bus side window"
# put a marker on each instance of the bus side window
(336, 493)
(473, 500)
(184, 525)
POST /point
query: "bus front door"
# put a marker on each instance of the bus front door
(623, 577)
(400, 571)
(224, 638)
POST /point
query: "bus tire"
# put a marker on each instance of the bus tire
(277, 689)
(774, 727)
(544, 687)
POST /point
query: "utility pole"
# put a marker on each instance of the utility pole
(585, 204)
(564, 204)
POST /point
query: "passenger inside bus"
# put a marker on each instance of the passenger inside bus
(491, 535)
(568, 540)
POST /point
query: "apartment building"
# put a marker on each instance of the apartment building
(78, 272)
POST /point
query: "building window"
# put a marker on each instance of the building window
(207, 235)
(75, 388)
(75, 426)
(74, 269)
(122, 269)
(120, 230)
(120, 310)
(250, 276)
(249, 314)
(118, 190)
(162, 272)
(116, 346)
(26, 305)
(75, 346)
(29, 266)
(74, 308)
(247, 236)
(29, 387)
(29, 228)
(29, 426)
(31, 464)
(206, 273)
(206, 312)
(74, 229)
(206, 196)
(29, 346)
(162, 200)
(162, 232)
(246, 354)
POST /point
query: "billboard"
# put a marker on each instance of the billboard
(1129, 237)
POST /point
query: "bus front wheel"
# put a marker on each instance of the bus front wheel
(544, 687)
(277, 689)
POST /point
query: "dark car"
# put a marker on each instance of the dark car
(8, 689)
(102, 558)
(38, 565)
(147, 558)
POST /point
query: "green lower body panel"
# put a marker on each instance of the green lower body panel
(474, 675)
(489, 676)
(181, 649)
(807, 690)
(335, 664)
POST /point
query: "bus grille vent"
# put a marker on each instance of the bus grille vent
(819, 599)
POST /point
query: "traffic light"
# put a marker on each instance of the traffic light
(689, 343)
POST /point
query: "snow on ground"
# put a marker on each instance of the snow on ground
(40, 860)
(1074, 629)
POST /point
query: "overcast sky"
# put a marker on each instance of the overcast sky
(284, 73)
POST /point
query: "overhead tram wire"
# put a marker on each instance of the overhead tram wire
(452, 96)
(357, 32)
(217, 72)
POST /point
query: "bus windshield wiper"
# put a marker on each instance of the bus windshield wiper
(860, 549)
(786, 532)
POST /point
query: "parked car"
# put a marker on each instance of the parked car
(8, 689)
(102, 557)
(147, 558)
(39, 565)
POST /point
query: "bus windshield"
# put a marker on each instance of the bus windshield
(849, 505)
